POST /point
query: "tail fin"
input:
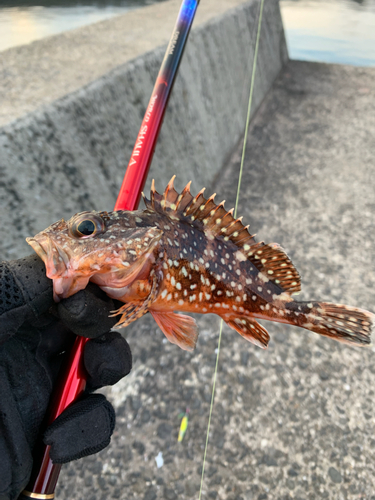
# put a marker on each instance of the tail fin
(343, 323)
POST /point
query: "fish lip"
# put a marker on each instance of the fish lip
(47, 250)
(37, 247)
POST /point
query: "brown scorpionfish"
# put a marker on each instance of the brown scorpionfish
(186, 253)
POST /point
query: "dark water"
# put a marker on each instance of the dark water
(339, 31)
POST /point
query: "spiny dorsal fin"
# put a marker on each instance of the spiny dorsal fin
(217, 222)
(170, 201)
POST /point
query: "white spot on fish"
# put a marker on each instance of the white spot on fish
(263, 278)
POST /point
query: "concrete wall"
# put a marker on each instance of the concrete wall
(66, 146)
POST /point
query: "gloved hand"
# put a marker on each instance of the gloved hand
(34, 332)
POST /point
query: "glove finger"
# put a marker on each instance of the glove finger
(25, 293)
(86, 313)
(84, 428)
(15, 452)
(107, 359)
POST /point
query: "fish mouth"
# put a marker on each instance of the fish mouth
(55, 258)
(66, 280)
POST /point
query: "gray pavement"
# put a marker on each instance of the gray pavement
(295, 421)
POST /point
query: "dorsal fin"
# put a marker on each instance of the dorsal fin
(217, 222)
(274, 263)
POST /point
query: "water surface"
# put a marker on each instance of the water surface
(22, 22)
(332, 31)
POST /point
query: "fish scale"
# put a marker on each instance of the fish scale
(187, 254)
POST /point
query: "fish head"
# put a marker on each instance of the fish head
(106, 248)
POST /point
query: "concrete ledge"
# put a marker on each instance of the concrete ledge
(69, 152)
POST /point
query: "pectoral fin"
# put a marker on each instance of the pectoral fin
(130, 312)
(178, 328)
(249, 329)
(133, 311)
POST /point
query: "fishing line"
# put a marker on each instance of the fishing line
(235, 215)
(249, 106)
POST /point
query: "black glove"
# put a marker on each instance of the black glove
(34, 333)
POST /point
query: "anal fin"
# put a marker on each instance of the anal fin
(249, 329)
(178, 328)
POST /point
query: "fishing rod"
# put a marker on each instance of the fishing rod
(72, 383)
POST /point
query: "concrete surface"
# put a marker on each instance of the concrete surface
(39, 73)
(85, 93)
(295, 421)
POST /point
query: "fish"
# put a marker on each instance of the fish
(187, 254)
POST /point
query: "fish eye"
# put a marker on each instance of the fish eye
(86, 226)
